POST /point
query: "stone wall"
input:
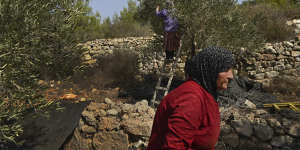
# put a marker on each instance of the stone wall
(149, 60)
(295, 23)
(272, 60)
(120, 126)
(282, 58)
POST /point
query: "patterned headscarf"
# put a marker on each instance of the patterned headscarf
(204, 67)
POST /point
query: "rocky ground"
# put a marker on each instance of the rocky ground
(116, 119)
(109, 109)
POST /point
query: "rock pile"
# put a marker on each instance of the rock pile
(112, 126)
(121, 126)
(257, 129)
(241, 90)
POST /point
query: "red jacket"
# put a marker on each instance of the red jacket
(188, 118)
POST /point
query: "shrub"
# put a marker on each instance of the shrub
(121, 67)
(116, 70)
(270, 21)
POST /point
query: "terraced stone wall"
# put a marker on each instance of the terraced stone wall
(276, 59)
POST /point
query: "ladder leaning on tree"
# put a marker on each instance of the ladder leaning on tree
(163, 72)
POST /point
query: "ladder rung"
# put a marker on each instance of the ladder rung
(156, 102)
(165, 74)
(291, 105)
(161, 88)
(169, 74)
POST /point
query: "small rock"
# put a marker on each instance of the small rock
(108, 101)
(95, 91)
(259, 76)
(288, 44)
(280, 141)
(231, 139)
(138, 127)
(289, 23)
(260, 121)
(125, 117)
(242, 127)
(112, 112)
(296, 21)
(88, 129)
(264, 146)
(274, 123)
(264, 133)
(93, 106)
(260, 112)
(101, 113)
(295, 53)
(108, 124)
(127, 108)
(297, 48)
(295, 130)
(89, 117)
(87, 57)
(249, 104)
(271, 74)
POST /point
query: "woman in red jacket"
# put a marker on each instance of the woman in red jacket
(188, 118)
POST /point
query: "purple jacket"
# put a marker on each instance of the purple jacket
(170, 24)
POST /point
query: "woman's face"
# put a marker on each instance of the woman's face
(223, 79)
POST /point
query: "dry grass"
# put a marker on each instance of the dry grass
(116, 70)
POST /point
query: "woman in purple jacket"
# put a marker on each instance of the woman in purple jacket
(171, 36)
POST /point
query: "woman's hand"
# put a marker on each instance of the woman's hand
(157, 8)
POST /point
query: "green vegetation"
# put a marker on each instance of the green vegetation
(270, 17)
(36, 43)
(207, 23)
(39, 41)
(275, 3)
(226, 23)
(125, 25)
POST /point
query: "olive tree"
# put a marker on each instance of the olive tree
(36, 42)
(206, 22)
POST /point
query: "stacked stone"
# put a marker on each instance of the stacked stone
(113, 125)
(272, 60)
(105, 47)
(116, 125)
(281, 58)
(149, 60)
(257, 129)
(295, 23)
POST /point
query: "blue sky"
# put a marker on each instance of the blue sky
(107, 8)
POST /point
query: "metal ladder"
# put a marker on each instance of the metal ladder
(165, 73)
(295, 106)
